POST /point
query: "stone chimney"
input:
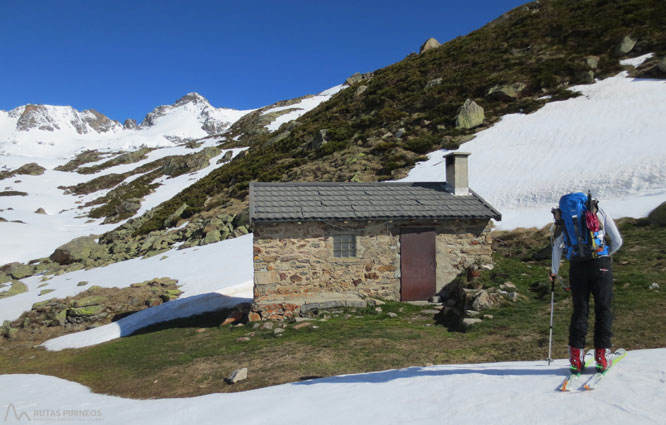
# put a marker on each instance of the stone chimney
(456, 172)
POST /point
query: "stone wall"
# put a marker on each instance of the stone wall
(294, 263)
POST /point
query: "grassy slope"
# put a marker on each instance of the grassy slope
(178, 359)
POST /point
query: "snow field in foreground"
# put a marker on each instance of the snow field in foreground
(509, 393)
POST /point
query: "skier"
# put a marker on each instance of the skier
(590, 273)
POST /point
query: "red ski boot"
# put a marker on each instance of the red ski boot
(576, 356)
(603, 358)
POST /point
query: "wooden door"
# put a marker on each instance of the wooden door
(417, 264)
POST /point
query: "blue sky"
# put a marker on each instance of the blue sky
(124, 58)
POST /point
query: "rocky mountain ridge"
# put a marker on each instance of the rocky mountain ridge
(53, 118)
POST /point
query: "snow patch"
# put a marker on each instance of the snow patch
(609, 141)
(637, 61)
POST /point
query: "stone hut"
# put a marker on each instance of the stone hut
(321, 245)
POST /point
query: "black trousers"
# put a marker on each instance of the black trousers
(591, 277)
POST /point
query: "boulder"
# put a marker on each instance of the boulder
(354, 78)
(212, 237)
(242, 218)
(90, 310)
(227, 157)
(468, 322)
(172, 220)
(592, 62)
(625, 46)
(237, 376)
(90, 301)
(320, 139)
(434, 83)
(429, 44)
(32, 169)
(17, 287)
(128, 206)
(177, 165)
(507, 91)
(483, 301)
(358, 77)
(470, 115)
(79, 250)
(360, 90)
(40, 211)
(18, 270)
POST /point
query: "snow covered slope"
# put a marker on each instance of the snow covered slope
(513, 393)
(296, 110)
(610, 140)
(44, 133)
(29, 235)
(52, 135)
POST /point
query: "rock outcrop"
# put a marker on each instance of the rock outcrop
(31, 169)
(470, 115)
(429, 44)
(83, 250)
(91, 308)
(625, 46)
(130, 124)
(507, 91)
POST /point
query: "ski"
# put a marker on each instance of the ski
(570, 383)
(594, 381)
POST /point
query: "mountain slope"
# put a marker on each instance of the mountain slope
(51, 133)
(383, 124)
(64, 181)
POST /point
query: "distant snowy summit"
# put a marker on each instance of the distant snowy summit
(53, 118)
(48, 130)
(213, 120)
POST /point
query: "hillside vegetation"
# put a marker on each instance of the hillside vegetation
(388, 119)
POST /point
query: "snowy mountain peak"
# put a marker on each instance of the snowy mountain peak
(195, 107)
(52, 118)
(192, 97)
(49, 131)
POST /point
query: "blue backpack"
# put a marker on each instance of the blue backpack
(583, 236)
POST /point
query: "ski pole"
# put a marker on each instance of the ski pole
(552, 303)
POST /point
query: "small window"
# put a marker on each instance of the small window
(344, 246)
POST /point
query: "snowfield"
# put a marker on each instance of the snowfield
(610, 140)
(298, 109)
(493, 393)
(39, 234)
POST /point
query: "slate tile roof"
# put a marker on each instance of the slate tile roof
(278, 202)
